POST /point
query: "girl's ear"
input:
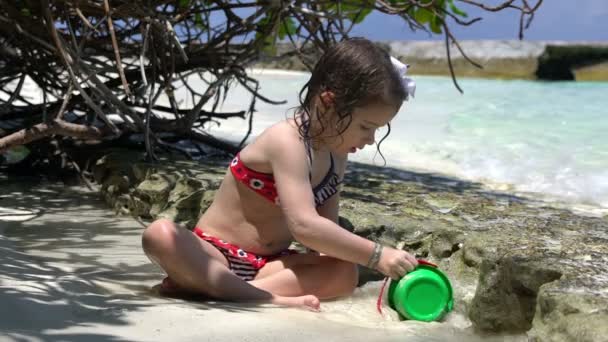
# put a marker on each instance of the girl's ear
(328, 99)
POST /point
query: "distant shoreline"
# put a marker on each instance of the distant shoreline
(500, 59)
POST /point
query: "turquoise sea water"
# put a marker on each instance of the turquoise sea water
(539, 138)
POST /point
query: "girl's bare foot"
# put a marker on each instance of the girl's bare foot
(308, 302)
(169, 288)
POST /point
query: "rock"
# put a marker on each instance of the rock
(177, 189)
(346, 224)
(116, 183)
(206, 200)
(100, 169)
(527, 256)
(185, 210)
(122, 205)
(474, 252)
(445, 242)
(155, 188)
(115, 162)
(564, 316)
(183, 188)
(557, 62)
(505, 59)
(505, 300)
(141, 171)
(139, 207)
(594, 72)
(500, 59)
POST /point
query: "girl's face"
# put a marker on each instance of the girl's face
(362, 130)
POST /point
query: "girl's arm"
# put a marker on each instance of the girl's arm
(290, 169)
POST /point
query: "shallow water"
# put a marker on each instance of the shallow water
(540, 138)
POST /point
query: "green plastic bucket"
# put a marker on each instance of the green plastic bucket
(424, 294)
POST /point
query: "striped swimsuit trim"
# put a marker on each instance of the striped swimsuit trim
(242, 269)
(244, 264)
(329, 186)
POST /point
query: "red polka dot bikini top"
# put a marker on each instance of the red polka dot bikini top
(263, 183)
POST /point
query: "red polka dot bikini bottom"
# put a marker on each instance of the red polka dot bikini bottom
(244, 264)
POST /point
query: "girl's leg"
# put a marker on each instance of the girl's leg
(195, 265)
(297, 274)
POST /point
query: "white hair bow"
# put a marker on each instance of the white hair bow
(408, 84)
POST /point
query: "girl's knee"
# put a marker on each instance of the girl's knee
(159, 232)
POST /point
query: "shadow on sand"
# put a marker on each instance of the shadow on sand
(68, 265)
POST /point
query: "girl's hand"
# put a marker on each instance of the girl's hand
(396, 263)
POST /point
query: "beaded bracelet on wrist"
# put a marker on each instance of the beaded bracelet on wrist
(375, 257)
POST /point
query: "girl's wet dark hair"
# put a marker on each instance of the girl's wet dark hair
(358, 73)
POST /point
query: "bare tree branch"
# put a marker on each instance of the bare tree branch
(158, 50)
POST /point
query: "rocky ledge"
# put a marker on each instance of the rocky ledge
(517, 265)
(505, 59)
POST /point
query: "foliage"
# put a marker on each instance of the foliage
(93, 58)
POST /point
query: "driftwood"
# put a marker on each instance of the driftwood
(91, 58)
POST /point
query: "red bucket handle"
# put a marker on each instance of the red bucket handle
(427, 263)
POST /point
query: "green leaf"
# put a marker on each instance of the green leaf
(198, 21)
(262, 23)
(358, 16)
(266, 35)
(457, 10)
(423, 16)
(287, 27)
(268, 46)
(436, 24)
(184, 3)
(355, 12)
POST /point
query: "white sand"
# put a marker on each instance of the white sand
(72, 271)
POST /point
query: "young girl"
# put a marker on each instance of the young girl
(285, 186)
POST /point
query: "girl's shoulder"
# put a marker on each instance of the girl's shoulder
(283, 132)
(275, 141)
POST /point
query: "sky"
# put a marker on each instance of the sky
(568, 20)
